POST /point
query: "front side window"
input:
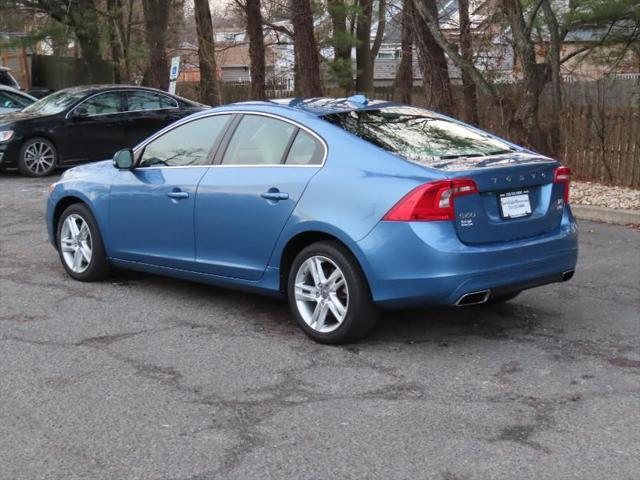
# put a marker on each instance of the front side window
(417, 134)
(102, 104)
(139, 101)
(187, 145)
(259, 140)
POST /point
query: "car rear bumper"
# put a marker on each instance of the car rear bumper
(424, 263)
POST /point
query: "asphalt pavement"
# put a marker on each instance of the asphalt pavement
(144, 377)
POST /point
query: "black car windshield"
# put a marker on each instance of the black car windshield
(417, 135)
(55, 103)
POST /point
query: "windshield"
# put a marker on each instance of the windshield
(55, 103)
(417, 134)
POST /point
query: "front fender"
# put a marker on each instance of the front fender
(66, 192)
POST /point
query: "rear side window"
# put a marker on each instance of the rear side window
(140, 101)
(187, 145)
(305, 150)
(417, 134)
(259, 140)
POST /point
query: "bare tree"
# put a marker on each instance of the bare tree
(256, 48)
(306, 49)
(433, 63)
(156, 19)
(382, 21)
(364, 62)
(469, 94)
(403, 84)
(209, 92)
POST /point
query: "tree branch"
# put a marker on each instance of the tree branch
(452, 51)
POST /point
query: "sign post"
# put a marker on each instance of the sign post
(173, 74)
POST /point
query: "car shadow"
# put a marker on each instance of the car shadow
(435, 325)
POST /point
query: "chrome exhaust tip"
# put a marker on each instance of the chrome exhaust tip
(568, 275)
(473, 298)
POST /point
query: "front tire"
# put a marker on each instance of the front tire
(80, 245)
(329, 295)
(38, 157)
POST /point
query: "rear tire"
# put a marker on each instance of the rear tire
(80, 245)
(504, 298)
(38, 157)
(329, 295)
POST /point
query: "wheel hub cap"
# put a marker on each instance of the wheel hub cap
(75, 243)
(321, 294)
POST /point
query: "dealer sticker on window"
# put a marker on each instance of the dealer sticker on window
(515, 204)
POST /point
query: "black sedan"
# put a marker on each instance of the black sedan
(85, 124)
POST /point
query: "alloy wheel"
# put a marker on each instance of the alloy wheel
(39, 158)
(75, 243)
(321, 294)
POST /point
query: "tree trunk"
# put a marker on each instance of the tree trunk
(553, 58)
(114, 9)
(364, 76)
(209, 93)
(382, 5)
(342, 42)
(156, 20)
(469, 95)
(306, 48)
(524, 123)
(433, 63)
(256, 49)
(403, 84)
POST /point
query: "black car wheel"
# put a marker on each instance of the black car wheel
(38, 157)
(329, 295)
(80, 245)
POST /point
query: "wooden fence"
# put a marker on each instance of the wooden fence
(602, 144)
(599, 142)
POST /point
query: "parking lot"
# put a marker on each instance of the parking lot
(143, 377)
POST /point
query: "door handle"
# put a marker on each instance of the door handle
(178, 195)
(274, 194)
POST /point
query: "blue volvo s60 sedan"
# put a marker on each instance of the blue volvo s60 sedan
(341, 205)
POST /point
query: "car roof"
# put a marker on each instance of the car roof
(320, 106)
(6, 88)
(90, 89)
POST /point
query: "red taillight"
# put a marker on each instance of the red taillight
(563, 175)
(431, 201)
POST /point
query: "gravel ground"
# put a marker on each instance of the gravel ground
(147, 378)
(589, 193)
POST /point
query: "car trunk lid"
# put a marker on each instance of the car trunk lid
(516, 198)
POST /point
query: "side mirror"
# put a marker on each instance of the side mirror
(123, 159)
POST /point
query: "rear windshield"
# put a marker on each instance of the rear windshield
(417, 135)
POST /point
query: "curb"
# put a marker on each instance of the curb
(606, 215)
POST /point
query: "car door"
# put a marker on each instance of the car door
(243, 203)
(147, 113)
(152, 205)
(92, 130)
